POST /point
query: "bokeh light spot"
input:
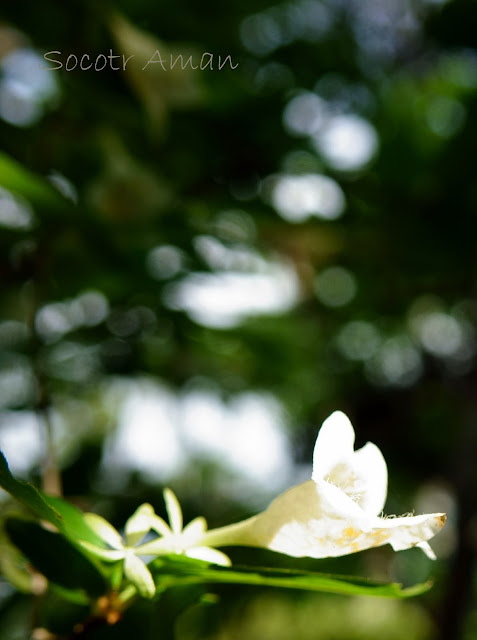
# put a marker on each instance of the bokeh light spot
(55, 319)
(296, 198)
(445, 116)
(226, 299)
(20, 440)
(335, 286)
(260, 33)
(164, 262)
(358, 340)
(25, 88)
(305, 114)
(440, 333)
(397, 363)
(347, 143)
(17, 382)
(15, 212)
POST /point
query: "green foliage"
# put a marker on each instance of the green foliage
(58, 512)
(38, 192)
(28, 495)
(56, 558)
(177, 570)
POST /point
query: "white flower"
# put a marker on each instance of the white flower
(337, 511)
(136, 528)
(333, 514)
(172, 539)
(177, 540)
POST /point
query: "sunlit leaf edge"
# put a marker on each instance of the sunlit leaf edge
(28, 495)
(58, 512)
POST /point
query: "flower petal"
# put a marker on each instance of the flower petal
(400, 533)
(195, 529)
(160, 526)
(110, 555)
(209, 555)
(334, 445)
(104, 529)
(318, 520)
(174, 510)
(307, 520)
(370, 479)
(411, 531)
(361, 474)
(159, 546)
(137, 572)
(425, 546)
(139, 524)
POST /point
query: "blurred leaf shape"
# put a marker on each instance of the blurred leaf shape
(38, 191)
(126, 190)
(28, 495)
(158, 88)
(55, 557)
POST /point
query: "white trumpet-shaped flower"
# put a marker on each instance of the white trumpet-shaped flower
(337, 511)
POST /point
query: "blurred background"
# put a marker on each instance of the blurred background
(198, 265)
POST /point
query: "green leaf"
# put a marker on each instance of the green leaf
(38, 191)
(75, 526)
(75, 596)
(60, 513)
(28, 495)
(179, 570)
(14, 568)
(55, 557)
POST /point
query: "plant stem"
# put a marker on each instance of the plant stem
(51, 480)
(230, 535)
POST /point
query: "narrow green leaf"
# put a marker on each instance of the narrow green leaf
(14, 177)
(75, 596)
(176, 570)
(58, 512)
(28, 495)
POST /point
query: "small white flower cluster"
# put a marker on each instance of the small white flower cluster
(173, 539)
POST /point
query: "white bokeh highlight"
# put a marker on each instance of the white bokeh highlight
(347, 143)
(161, 435)
(299, 197)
